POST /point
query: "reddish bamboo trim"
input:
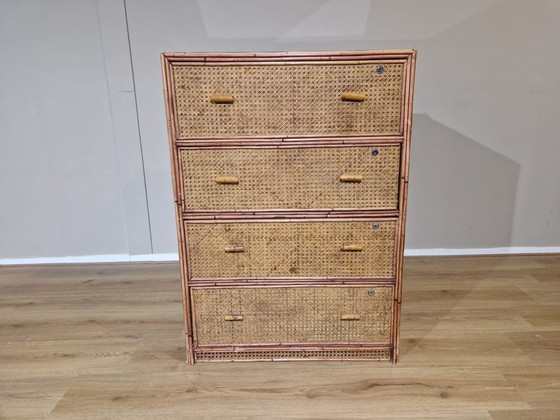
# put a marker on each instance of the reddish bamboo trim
(271, 213)
(203, 284)
(295, 359)
(289, 61)
(181, 179)
(299, 138)
(281, 143)
(195, 330)
(287, 139)
(170, 118)
(170, 91)
(394, 314)
(398, 136)
(187, 303)
(398, 244)
(369, 279)
(257, 282)
(298, 220)
(248, 347)
(405, 167)
(396, 249)
(334, 345)
(405, 163)
(166, 71)
(279, 214)
(297, 56)
(327, 58)
(404, 89)
(403, 52)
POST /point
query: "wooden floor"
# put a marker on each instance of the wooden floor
(480, 340)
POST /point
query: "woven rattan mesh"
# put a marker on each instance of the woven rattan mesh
(291, 178)
(293, 314)
(302, 249)
(278, 100)
(370, 354)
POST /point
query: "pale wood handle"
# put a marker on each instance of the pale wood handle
(226, 180)
(352, 96)
(351, 178)
(352, 248)
(350, 317)
(221, 99)
(234, 248)
(233, 318)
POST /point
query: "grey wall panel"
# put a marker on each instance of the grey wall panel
(120, 79)
(58, 168)
(487, 92)
(82, 173)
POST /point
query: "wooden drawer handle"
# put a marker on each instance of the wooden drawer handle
(352, 248)
(351, 178)
(350, 317)
(233, 318)
(352, 96)
(234, 248)
(221, 99)
(226, 180)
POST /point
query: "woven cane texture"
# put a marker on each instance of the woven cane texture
(306, 178)
(279, 100)
(302, 249)
(369, 354)
(293, 315)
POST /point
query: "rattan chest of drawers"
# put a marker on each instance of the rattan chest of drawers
(290, 176)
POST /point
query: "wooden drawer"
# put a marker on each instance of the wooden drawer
(285, 178)
(288, 99)
(277, 315)
(270, 249)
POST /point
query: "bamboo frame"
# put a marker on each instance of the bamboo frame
(287, 213)
(289, 141)
(408, 57)
(339, 345)
(177, 192)
(405, 168)
(256, 282)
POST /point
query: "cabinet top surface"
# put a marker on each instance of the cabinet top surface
(291, 55)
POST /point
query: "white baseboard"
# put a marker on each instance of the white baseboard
(482, 251)
(171, 256)
(110, 258)
(175, 257)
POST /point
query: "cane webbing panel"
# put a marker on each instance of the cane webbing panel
(275, 249)
(279, 100)
(293, 314)
(370, 354)
(304, 178)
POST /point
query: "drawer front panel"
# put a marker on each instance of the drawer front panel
(293, 315)
(301, 249)
(281, 100)
(303, 178)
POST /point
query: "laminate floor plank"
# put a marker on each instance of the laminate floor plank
(480, 339)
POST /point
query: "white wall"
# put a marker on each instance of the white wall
(59, 178)
(84, 161)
